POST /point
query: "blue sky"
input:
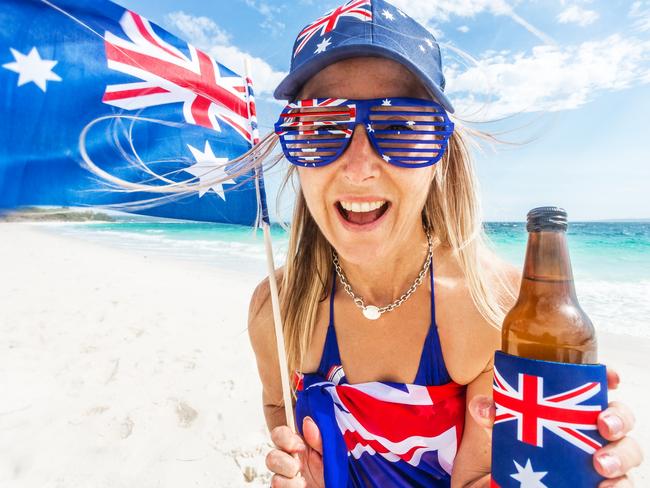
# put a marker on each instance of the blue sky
(574, 75)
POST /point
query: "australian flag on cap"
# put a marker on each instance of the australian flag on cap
(365, 28)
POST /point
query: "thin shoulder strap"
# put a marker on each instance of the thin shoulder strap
(433, 302)
(440, 373)
(332, 300)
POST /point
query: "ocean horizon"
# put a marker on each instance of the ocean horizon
(610, 259)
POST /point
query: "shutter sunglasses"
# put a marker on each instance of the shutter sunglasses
(406, 132)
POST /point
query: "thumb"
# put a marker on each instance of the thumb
(311, 434)
(483, 411)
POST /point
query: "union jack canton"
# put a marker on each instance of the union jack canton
(355, 9)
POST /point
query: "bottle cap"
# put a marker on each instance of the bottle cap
(546, 218)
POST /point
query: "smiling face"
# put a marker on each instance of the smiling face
(360, 179)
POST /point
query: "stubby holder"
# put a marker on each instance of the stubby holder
(545, 431)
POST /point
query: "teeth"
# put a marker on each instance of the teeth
(362, 207)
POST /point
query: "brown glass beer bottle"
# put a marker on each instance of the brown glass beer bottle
(547, 322)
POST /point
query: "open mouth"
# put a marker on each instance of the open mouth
(362, 213)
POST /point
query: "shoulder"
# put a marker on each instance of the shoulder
(467, 337)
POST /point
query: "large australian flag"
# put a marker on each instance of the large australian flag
(147, 110)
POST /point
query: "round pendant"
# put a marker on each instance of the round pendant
(371, 312)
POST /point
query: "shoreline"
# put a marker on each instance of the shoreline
(127, 368)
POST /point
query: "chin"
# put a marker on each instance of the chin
(356, 250)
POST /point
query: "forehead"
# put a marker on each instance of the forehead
(364, 77)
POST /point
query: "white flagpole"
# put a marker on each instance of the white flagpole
(275, 300)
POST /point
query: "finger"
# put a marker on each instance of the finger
(617, 458)
(287, 440)
(483, 411)
(615, 421)
(282, 463)
(613, 379)
(279, 481)
(621, 482)
(312, 435)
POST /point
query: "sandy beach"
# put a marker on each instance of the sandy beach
(122, 369)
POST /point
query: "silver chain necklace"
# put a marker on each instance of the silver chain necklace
(371, 312)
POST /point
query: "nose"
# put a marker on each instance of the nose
(360, 162)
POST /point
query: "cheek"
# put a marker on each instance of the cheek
(416, 185)
(312, 186)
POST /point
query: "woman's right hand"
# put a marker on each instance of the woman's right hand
(295, 455)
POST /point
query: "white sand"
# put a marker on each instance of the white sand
(124, 369)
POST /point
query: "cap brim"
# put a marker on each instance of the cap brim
(291, 84)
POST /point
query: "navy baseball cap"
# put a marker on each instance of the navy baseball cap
(365, 28)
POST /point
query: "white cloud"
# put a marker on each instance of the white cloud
(200, 31)
(464, 29)
(426, 11)
(270, 13)
(429, 13)
(640, 12)
(549, 79)
(205, 34)
(577, 15)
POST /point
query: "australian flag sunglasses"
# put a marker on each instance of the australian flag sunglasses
(406, 132)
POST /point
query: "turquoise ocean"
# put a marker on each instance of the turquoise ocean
(611, 260)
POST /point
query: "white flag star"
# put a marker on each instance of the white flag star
(388, 15)
(386, 157)
(429, 42)
(207, 168)
(527, 477)
(322, 47)
(370, 128)
(32, 68)
(386, 103)
(422, 48)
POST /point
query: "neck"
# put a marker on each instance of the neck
(383, 279)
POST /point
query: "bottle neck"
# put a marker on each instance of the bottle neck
(548, 265)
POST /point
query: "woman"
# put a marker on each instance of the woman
(375, 227)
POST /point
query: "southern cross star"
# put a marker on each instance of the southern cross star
(527, 477)
(388, 15)
(31, 68)
(322, 47)
(207, 167)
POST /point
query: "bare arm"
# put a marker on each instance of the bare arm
(473, 462)
(262, 336)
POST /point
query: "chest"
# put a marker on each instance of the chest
(387, 349)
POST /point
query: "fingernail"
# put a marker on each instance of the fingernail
(610, 464)
(484, 409)
(614, 424)
(309, 419)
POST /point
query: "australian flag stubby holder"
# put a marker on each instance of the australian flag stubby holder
(545, 431)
